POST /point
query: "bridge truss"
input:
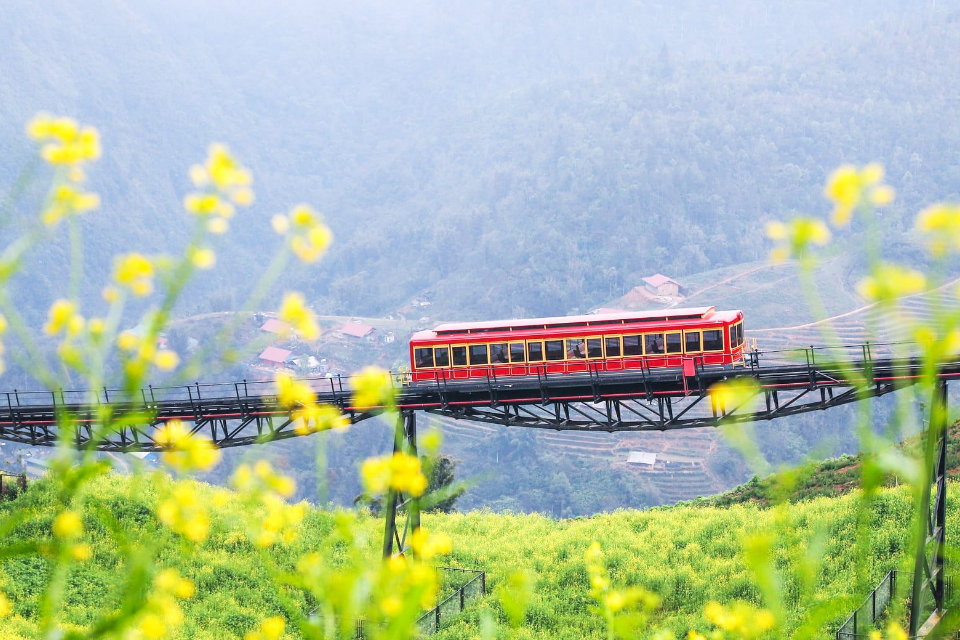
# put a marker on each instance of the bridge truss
(245, 413)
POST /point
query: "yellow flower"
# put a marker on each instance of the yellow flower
(63, 318)
(135, 272)
(5, 607)
(741, 619)
(294, 312)
(81, 552)
(280, 224)
(203, 258)
(185, 451)
(66, 142)
(291, 392)
(372, 389)
(67, 200)
(734, 393)
(310, 237)
(400, 472)
(426, 545)
(127, 341)
(272, 627)
(184, 513)
(848, 187)
(889, 282)
(391, 605)
(67, 525)
(166, 360)
(218, 226)
(152, 627)
(693, 635)
(796, 237)
(941, 224)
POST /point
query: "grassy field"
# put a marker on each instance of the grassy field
(689, 555)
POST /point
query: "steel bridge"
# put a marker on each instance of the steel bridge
(657, 399)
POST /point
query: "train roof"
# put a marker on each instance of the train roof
(560, 322)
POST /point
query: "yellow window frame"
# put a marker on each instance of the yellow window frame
(466, 348)
(699, 340)
(510, 352)
(619, 339)
(654, 333)
(543, 353)
(721, 349)
(486, 347)
(623, 345)
(666, 342)
(586, 345)
(449, 356)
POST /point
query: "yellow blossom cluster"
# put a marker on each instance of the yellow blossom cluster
(795, 237)
(64, 141)
(940, 223)
(260, 483)
(889, 282)
(68, 199)
(614, 603)
(399, 472)
(184, 450)
(67, 525)
(185, 513)
(141, 352)
(162, 614)
(6, 608)
(64, 318)
(741, 619)
(269, 629)
(66, 144)
(222, 182)
(134, 271)
(309, 236)
(734, 393)
(372, 389)
(295, 313)
(309, 416)
(848, 187)
(893, 632)
(403, 579)
(427, 546)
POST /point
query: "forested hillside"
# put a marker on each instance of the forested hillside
(528, 158)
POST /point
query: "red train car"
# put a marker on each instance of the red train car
(604, 342)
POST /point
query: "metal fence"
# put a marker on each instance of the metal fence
(864, 619)
(430, 622)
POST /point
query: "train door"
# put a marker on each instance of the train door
(674, 348)
(613, 351)
(518, 360)
(458, 358)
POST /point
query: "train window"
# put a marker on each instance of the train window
(733, 336)
(692, 341)
(575, 348)
(654, 343)
(554, 349)
(423, 357)
(535, 351)
(713, 340)
(674, 343)
(516, 352)
(441, 356)
(594, 348)
(739, 333)
(478, 354)
(632, 346)
(613, 346)
(459, 356)
(499, 353)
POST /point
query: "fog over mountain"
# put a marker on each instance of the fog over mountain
(558, 150)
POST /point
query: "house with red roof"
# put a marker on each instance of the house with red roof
(357, 330)
(275, 356)
(661, 285)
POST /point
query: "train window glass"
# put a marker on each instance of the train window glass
(535, 351)
(733, 336)
(516, 352)
(613, 346)
(423, 357)
(632, 346)
(441, 356)
(478, 354)
(713, 340)
(459, 356)
(653, 343)
(554, 349)
(594, 348)
(739, 334)
(499, 353)
(576, 348)
(692, 341)
(674, 344)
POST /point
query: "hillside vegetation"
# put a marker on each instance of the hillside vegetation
(689, 555)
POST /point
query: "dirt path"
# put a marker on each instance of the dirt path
(728, 280)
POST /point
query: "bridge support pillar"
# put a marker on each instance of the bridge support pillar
(928, 568)
(395, 538)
